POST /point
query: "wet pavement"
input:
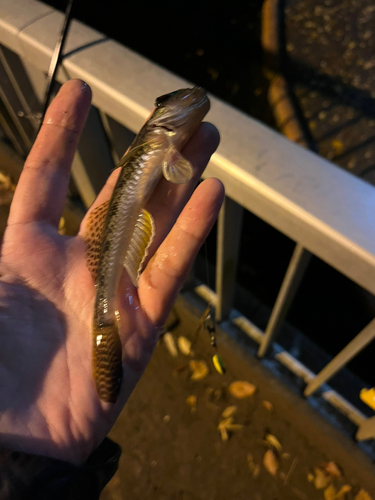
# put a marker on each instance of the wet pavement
(330, 68)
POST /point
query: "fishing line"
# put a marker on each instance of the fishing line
(56, 60)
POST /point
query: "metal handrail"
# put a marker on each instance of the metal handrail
(325, 210)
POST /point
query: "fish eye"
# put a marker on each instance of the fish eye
(163, 99)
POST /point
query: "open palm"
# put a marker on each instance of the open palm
(48, 399)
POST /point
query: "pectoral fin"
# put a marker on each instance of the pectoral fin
(176, 168)
(141, 240)
(94, 236)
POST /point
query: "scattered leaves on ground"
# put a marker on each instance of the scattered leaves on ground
(170, 344)
(343, 491)
(254, 468)
(337, 146)
(273, 441)
(330, 493)
(184, 345)
(362, 495)
(228, 425)
(192, 402)
(7, 189)
(321, 480)
(229, 411)
(199, 369)
(241, 389)
(267, 405)
(332, 469)
(270, 462)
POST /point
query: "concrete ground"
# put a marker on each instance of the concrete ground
(171, 451)
(324, 93)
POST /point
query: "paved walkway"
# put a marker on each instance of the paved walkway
(326, 55)
(173, 452)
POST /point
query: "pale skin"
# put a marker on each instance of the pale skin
(48, 401)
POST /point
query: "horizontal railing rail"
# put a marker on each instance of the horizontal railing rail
(327, 212)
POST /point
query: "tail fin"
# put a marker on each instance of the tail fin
(107, 361)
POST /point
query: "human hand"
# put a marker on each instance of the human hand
(48, 400)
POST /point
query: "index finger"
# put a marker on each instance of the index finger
(42, 188)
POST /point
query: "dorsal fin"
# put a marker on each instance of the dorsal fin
(137, 251)
(94, 237)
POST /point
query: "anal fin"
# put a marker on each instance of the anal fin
(138, 248)
(94, 237)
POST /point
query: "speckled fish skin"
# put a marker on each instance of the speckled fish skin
(175, 119)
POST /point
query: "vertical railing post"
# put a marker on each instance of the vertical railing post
(292, 279)
(228, 242)
(356, 345)
(366, 430)
(93, 162)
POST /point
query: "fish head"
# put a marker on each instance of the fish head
(180, 113)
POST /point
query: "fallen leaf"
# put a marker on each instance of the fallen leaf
(170, 344)
(192, 401)
(240, 389)
(228, 425)
(6, 183)
(254, 468)
(343, 491)
(267, 405)
(229, 411)
(321, 480)
(338, 146)
(332, 469)
(222, 427)
(184, 345)
(310, 477)
(330, 493)
(362, 495)
(273, 441)
(270, 462)
(199, 369)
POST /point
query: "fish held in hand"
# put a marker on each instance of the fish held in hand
(119, 232)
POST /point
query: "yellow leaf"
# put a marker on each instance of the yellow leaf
(338, 146)
(362, 495)
(199, 369)
(240, 389)
(170, 344)
(342, 492)
(273, 441)
(267, 405)
(184, 345)
(229, 411)
(321, 480)
(192, 401)
(270, 462)
(332, 469)
(330, 493)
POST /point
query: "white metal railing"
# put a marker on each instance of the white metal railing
(325, 210)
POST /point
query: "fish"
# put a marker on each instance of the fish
(119, 232)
